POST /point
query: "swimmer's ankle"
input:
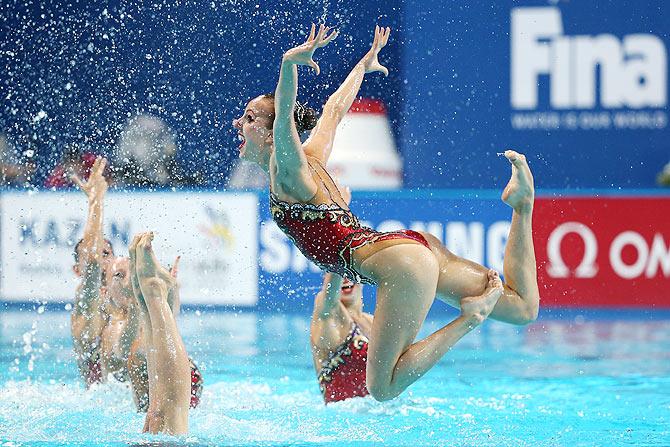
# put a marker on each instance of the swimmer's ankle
(524, 208)
(472, 321)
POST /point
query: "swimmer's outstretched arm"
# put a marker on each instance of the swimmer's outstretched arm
(289, 154)
(90, 248)
(320, 142)
(328, 299)
(87, 320)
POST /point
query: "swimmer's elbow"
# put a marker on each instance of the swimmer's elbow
(381, 394)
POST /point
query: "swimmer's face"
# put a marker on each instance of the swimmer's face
(351, 295)
(254, 129)
(119, 288)
(107, 257)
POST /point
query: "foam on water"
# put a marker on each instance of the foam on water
(547, 384)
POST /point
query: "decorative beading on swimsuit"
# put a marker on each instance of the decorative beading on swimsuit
(196, 388)
(310, 212)
(328, 235)
(342, 374)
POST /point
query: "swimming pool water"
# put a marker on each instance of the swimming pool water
(568, 380)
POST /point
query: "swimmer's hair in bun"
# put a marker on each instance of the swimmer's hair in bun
(305, 117)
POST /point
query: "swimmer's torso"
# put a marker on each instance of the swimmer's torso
(113, 356)
(342, 373)
(326, 231)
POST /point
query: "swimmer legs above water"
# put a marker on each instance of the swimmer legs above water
(409, 268)
(168, 365)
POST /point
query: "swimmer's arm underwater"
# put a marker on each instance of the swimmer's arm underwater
(288, 148)
(320, 142)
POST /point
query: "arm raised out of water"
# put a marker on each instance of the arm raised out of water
(87, 319)
(320, 142)
(328, 299)
(91, 246)
(290, 156)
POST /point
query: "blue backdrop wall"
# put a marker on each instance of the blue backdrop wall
(74, 72)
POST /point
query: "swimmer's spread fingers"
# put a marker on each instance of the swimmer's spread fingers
(371, 60)
(96, 183)
(303, 54)
(325, 40)
(381, 37)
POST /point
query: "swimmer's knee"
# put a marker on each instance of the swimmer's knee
(526, 314)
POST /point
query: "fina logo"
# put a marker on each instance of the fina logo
(633, 70)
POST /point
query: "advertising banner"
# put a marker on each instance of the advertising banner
(580, 87)
(215, 235)
(591, 251)
(603, 252)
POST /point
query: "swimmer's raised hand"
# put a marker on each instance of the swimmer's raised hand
(303, 54)
(370, 59)
(96, 185)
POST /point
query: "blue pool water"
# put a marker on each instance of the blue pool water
(567, 380)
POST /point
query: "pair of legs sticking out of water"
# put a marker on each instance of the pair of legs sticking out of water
(410, 269)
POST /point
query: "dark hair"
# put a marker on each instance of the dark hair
(76, 249)
(305, 117)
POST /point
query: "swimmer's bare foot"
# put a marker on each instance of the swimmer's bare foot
(479, 307)
(520, 191)
(152, 281)
(134, 281)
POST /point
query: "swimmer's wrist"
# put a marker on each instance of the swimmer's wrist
(286, 60)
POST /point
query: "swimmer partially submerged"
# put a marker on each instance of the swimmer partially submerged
(168, 367)
(339, 339)
(112, 335)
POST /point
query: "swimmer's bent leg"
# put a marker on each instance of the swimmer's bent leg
(403, 300)
(460, 278)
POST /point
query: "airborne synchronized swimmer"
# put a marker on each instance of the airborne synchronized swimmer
(409, 268)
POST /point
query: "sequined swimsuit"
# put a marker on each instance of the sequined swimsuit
(328, 234)
(196, 388)
(342, 374)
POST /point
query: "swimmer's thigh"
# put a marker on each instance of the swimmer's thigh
(406, 277)
(460, 278)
